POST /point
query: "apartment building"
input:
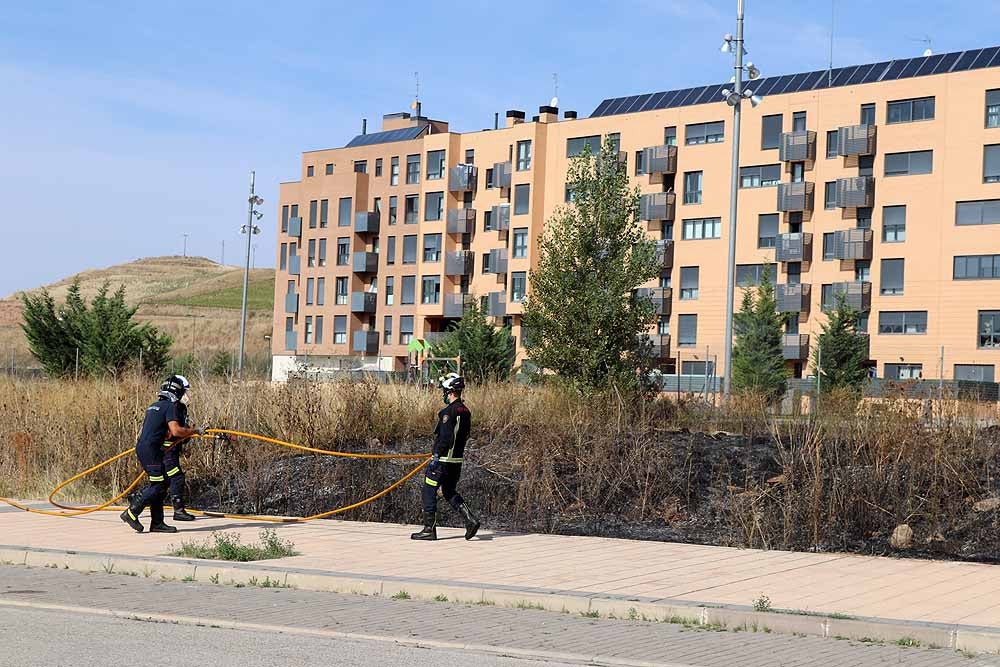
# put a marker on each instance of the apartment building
(879, 181)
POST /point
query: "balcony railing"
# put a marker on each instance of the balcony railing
(496, 304)
(858, 293)
(796, 196)
(798, 146)
(661, 347)
(657, 206)
(793, 247)
(793, 298)
(659, 160)
(855, 140)
(855, 192)
(660, 296)
(363, 302)
(463, 178)
(291, 340)
(294, 265)
(365, 342)
(364, 262)
(295, 226)
(291, 302)
(795, 347)
(500, 217)
(853, 244)
(456, 304)
(434, 337)
(461, 220)
(458, 263)
(498, 261)
(665, 253)
(367, 222)
(501, 174)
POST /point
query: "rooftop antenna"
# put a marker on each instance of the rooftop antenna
(416, 99)
(829, 71)
(555, 90)
(926, 39)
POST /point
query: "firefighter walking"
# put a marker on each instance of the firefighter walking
(443, 472)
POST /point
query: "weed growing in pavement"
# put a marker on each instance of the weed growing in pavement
(224, 546)
(214, 578)
(908, 641)
(147, 572)
(633, 614)
(440, 598)
(590, 614)
(108, 566)
(763, 603)
(523, 604)
(486, 603)
(401, 595)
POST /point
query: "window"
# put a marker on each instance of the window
(408, 295)
(310, 286)
(394, 171)
(522, 196)
(989, 329)
(433, 206)
(284, 218)
(750, 275)
(868, 114)
(319, 329)
(770, 132)
(311, 254)
(639, 169)
(390, 290)
(866, 165)
(523, 155)
(329, 168)
(689, 283)
(893, 224)
(793, 273)
(862, 271)
(377, 208)
(985, 212)
(405, 329)
(704, 133)
(410, 249)
(309, 173)
(489, 179)
(520, 243)
(829, 246)
(321, 291)
(412, 169)
(907, 111)
(993, 108)
(761, 176)
(487, 221)
(991, 164)
(390, 250)
(309, 330)
(486, 263)
(702, 228)
(411, 211)
(313, 210)
(470, 156)
(361, 166)
(435, 165)
(393, 209)
(832, 143)
(387, 329)
(767, 230)
(902, 322)
(974, 372)
(892, 277)
(906, 164)
(799, 121)
(692, 187)
(670, 135)
(663, 326)
(576, 145)
(697, 368)
(378, 166)
(976, 267)
(344, 212)
(687, 330)
(830, 195)
(343, 251)
(518, 286)
(432, 247)
(283, 257)
(569, 196)
(903, 371)
(341, 289)
(339, 329)
(864, 217)
(430, 292)
(615, 139)
(324, 213)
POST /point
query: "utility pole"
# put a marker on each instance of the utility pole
(249, 229)
(186, 244)
(223, 260)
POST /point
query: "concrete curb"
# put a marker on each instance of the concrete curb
(733, 617)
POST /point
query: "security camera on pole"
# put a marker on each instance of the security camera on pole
(734, 98)
(249, 229)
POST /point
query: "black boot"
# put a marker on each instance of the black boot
(132, 512)
(181, 514)
(428, 532)
(471, 521)
(156, 524)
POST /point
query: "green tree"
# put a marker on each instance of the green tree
(758, 362)
(104, 339)
(584, 323)
(487, 351)
(841, 349)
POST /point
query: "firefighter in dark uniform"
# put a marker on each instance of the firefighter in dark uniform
(451, 433)
(164, 419)
(172, 451)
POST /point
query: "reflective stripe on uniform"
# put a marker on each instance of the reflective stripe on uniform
(450, 459)
(131, 515)
(173, 471)
(430, 481)
(156, 478)
(168, 444)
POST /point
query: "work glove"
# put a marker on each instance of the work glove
(435, 462)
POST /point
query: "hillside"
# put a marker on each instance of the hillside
(195, 300)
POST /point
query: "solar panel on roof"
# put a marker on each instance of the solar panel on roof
(703, 95)
(668, 99)
(797, 82)
(812, 79)
(996, 60)
(764, 85)
(678, 98)
(859, 75)
(876, 72)
(966, 60)
(403, 134)
(652, 101)
(985, 57)
(599, 111)
(911, 68)
(841, 77)
(946, 63)
(638, 104)
(782, 84)
(895, 69)
(616, 104)
(929, 65)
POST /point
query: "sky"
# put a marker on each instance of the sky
(127, 125)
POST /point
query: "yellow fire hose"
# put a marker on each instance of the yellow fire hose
(72, 510)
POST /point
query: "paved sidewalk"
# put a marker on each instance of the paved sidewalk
(309, 615)
(945, 603)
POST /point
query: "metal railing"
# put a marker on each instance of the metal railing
(857, 292)
(364, 262)
(855, 140)
(793, 298)
(461, 220)
(363, 302)
(501, 174)
(456, 304)
(496, 304)
(658, 160)
(458, 263)
(855, 192)
(367, 222)
(291, 302)
(498, 261)
(500, 217)
(798, 146)
(463, 178)
(665, 253)
(295, 226)
(853, 244)
(365, 342)
(657, 206)
(796, 196)
(662, 298)
(795, 247)
(795, 347)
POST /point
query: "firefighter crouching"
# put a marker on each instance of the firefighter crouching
(451, 433)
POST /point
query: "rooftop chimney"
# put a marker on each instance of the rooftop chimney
(496, 120)
(514, 117)
(548, 114)
(569, 115)
(364, 126)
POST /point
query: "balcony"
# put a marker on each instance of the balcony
(500, 218)
(290, 340)
(856, 140)
(661, 347)
(660, 296)
(501, 174)
(456, 304)
(434, 337)
(463, 178)
(856, 192)
(665, 253)
(364, 262)
(795, 347)
(496, 304)
(363, 302)
(291, 302)
(365, 342)
(793, 247)
(659, 160)
(458, 263)
(858, 293)
(799, 146)
(295, 227)
(367, 222)
(793, 298)
(461, 220)
(498, 261)
(294, 265)
(794, 197)
(852, 244)
(657, 206)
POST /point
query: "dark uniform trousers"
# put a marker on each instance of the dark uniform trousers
(172, 467)
(152, 496)
(442, 476)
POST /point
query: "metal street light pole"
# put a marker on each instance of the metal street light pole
(249, 229)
